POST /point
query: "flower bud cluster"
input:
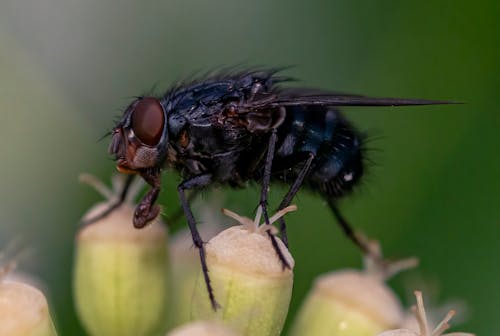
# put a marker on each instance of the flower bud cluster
(121, 277)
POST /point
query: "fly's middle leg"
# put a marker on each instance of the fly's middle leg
(174, 217)
(266, 180)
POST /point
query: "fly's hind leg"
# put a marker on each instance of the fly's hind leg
(371, 249)
(358, 240)
(291, 194)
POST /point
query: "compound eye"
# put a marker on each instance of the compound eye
(147, 121)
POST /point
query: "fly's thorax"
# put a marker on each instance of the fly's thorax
(179, 152)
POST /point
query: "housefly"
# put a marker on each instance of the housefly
(239, 126)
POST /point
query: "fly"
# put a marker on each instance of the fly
(236, 127)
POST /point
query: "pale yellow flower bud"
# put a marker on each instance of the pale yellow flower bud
(248, 278)
(120, 275)
(203, 328)
(23, 310)
(423, 325)
(348, 303)
(351, 302)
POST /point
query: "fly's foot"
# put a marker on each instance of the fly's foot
(284, 263)
(145, 213)
(265, 229)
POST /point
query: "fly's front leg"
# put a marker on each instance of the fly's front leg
(291, 194)
(266, 180)
(146, 210)
(197, 182)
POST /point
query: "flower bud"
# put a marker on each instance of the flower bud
(203, 328)
(249, 281)
(399, 332)
(120, 274)
(351, 302)
(23, 310)
(423, 325)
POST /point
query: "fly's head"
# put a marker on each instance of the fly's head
(140, 135)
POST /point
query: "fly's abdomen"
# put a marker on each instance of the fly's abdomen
(335, 144)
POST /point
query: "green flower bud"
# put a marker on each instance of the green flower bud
(23, 310)
(203, 328)
(351, 302)
(120, 274)
(249, 281)
(423, 325)
(348, 303)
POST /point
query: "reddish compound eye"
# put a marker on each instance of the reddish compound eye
(147, 121)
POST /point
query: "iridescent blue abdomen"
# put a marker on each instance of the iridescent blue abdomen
(337, 148)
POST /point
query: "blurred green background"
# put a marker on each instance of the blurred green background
(67, 68)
